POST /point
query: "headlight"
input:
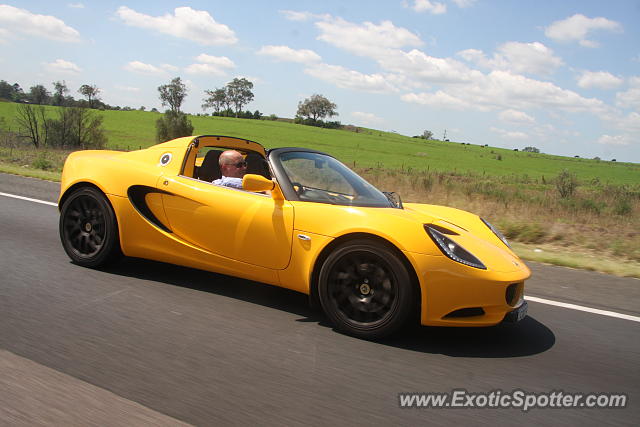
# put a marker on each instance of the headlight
(453, 250)
(497, 233)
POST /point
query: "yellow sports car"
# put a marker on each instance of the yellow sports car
(303, 221)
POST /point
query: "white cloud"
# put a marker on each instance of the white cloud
(504, 90)
(416, 65)
(75, 5)
(514, 116)
(169, 68)
(505, 134)
(186, 23)
(518, 57)
(433, 8)
(62, 66)
(630, 124)
(15, 20)
(614, 140)
(208, 64)
(599, 80)
(464, 3)
(631, 97)
(286, 54)
(219, 61)
(349, 79)
(367, 119)
(577, 27)
(368, 39)
(292, 15)
(440, 99)
(142, 68)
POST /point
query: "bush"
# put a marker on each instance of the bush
(527, 233)
(592, 206)
(318, 123)
(173, 125)
(566, 183)
(622, 207)
(75, 128)
(42, 162)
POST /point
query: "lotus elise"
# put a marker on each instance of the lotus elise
(303, 221)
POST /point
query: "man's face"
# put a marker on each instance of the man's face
(235, 166)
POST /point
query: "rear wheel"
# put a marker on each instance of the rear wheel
(89, 229)
(365, 289)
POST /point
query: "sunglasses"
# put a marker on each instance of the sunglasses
(241, 164)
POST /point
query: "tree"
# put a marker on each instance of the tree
(18, 93)
(217, 99)
(77, 128)
(6, 90)
(60, 91)
(566, 183)
(39, 94)
(173, 94)
(427, 134)
(316, 107)
(531, 150)
(239, 93)
(32, 123)
(90, 92)
(171, 125)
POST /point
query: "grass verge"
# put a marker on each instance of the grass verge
(583, 260)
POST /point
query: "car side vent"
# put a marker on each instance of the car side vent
(466, 312)
(137, 194)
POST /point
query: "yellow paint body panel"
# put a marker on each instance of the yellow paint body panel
(197, 224)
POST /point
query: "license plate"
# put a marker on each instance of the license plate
(521, 312)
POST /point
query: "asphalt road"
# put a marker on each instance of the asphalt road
(145, 343)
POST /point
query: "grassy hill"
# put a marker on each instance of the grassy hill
(131, 130)
(598, 222)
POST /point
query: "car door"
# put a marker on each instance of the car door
(240, 225)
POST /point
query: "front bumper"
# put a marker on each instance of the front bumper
(454, 294)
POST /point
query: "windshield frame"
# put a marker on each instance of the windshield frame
(290, 194)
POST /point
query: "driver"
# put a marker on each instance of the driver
(233, 167)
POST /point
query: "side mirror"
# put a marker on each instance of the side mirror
(257, 183)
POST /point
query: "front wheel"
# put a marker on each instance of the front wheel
(365, 289)
(89, 229)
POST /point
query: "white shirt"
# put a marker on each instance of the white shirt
(227, 181)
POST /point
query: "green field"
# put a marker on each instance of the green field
(517, 191)
(129, 130)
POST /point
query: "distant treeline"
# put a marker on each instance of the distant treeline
(59, 96)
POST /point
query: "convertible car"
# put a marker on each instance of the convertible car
(302, 221)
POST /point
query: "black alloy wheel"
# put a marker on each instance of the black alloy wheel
(88, 228)
(365, 290)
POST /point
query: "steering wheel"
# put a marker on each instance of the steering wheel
(298, 188)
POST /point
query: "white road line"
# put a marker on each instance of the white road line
(534, 299)
(28, 199)
(582, 308)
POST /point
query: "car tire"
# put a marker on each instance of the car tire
(89, 228)
(365, 290)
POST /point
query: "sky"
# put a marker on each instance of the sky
(561, 76)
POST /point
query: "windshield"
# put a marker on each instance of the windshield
(316, 177)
